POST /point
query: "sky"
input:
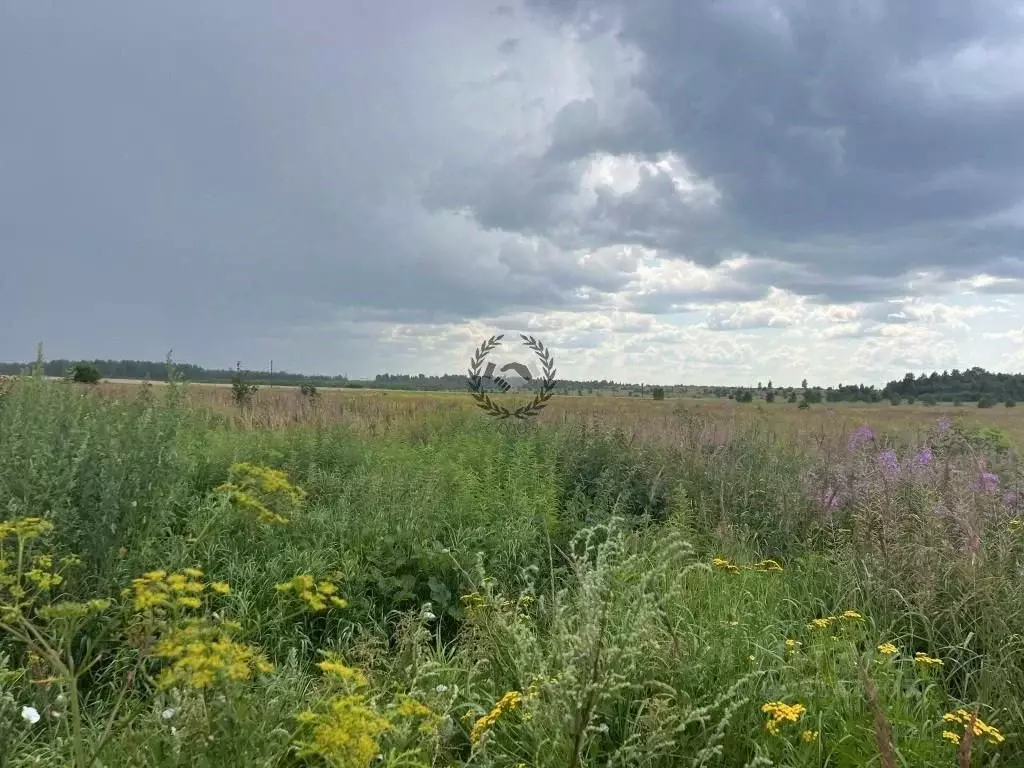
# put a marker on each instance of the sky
(701, 192)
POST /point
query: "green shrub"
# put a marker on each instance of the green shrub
(83, 373)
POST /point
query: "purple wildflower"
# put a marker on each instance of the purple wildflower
(1010, 498)
(924, 458)
(860, 435)
(943, 425)
(887, 461)
(988, 482)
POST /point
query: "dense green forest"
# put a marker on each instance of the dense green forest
(968, 386)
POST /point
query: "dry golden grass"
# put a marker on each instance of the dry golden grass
(379, 411)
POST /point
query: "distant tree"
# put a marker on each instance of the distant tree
(911, 399)
(1011, 403)
(309, 390)
(84, 373)
(658, 393)
(986, 402)
(759, 386)
(895, 400)
(769, 397)
(791, 398)
(745, 396)
(242, 391)
(804, 404)
(803, 384)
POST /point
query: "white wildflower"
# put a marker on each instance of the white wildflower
(30, 715)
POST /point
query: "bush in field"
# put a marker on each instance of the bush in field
(83, 373)
(242, 391)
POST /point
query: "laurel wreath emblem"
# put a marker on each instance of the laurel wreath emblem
(484, 401)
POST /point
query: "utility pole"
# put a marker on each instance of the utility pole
(271, 373)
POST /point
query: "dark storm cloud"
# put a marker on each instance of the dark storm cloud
(176, 176)
(850, 139)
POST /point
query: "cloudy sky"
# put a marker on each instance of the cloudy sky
(709, 191)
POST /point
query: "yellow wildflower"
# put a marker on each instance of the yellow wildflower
(413, 709)
(924, 660)
(820, 623)
(343, 672)
(157, 591)
(888, 649)
(221, 587)
(951, 736)
(809, 736)
(255, 490)
(44, 580)
(793, 645)
(346, 734)
(410, 707)
(779, 713)
(202, 653)
(24, 528)
(853, 615)
(507, 703)
(316, 596)
(963, 717)
(71, 610)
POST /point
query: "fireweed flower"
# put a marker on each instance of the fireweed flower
(987, 482)
(888, 463)
(943, 425)
(830, 499)
(860, 435)
(924, 458)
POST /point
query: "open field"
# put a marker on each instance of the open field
(395, 579)
(647, 419)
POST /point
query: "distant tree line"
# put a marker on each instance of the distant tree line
(974, 385)
(157, 371)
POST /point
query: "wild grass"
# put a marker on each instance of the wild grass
(396, 579)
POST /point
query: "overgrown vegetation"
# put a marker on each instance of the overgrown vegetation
(451, 590)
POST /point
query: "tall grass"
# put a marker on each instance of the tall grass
(588, 590)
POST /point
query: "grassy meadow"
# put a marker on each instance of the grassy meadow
(377, 578)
